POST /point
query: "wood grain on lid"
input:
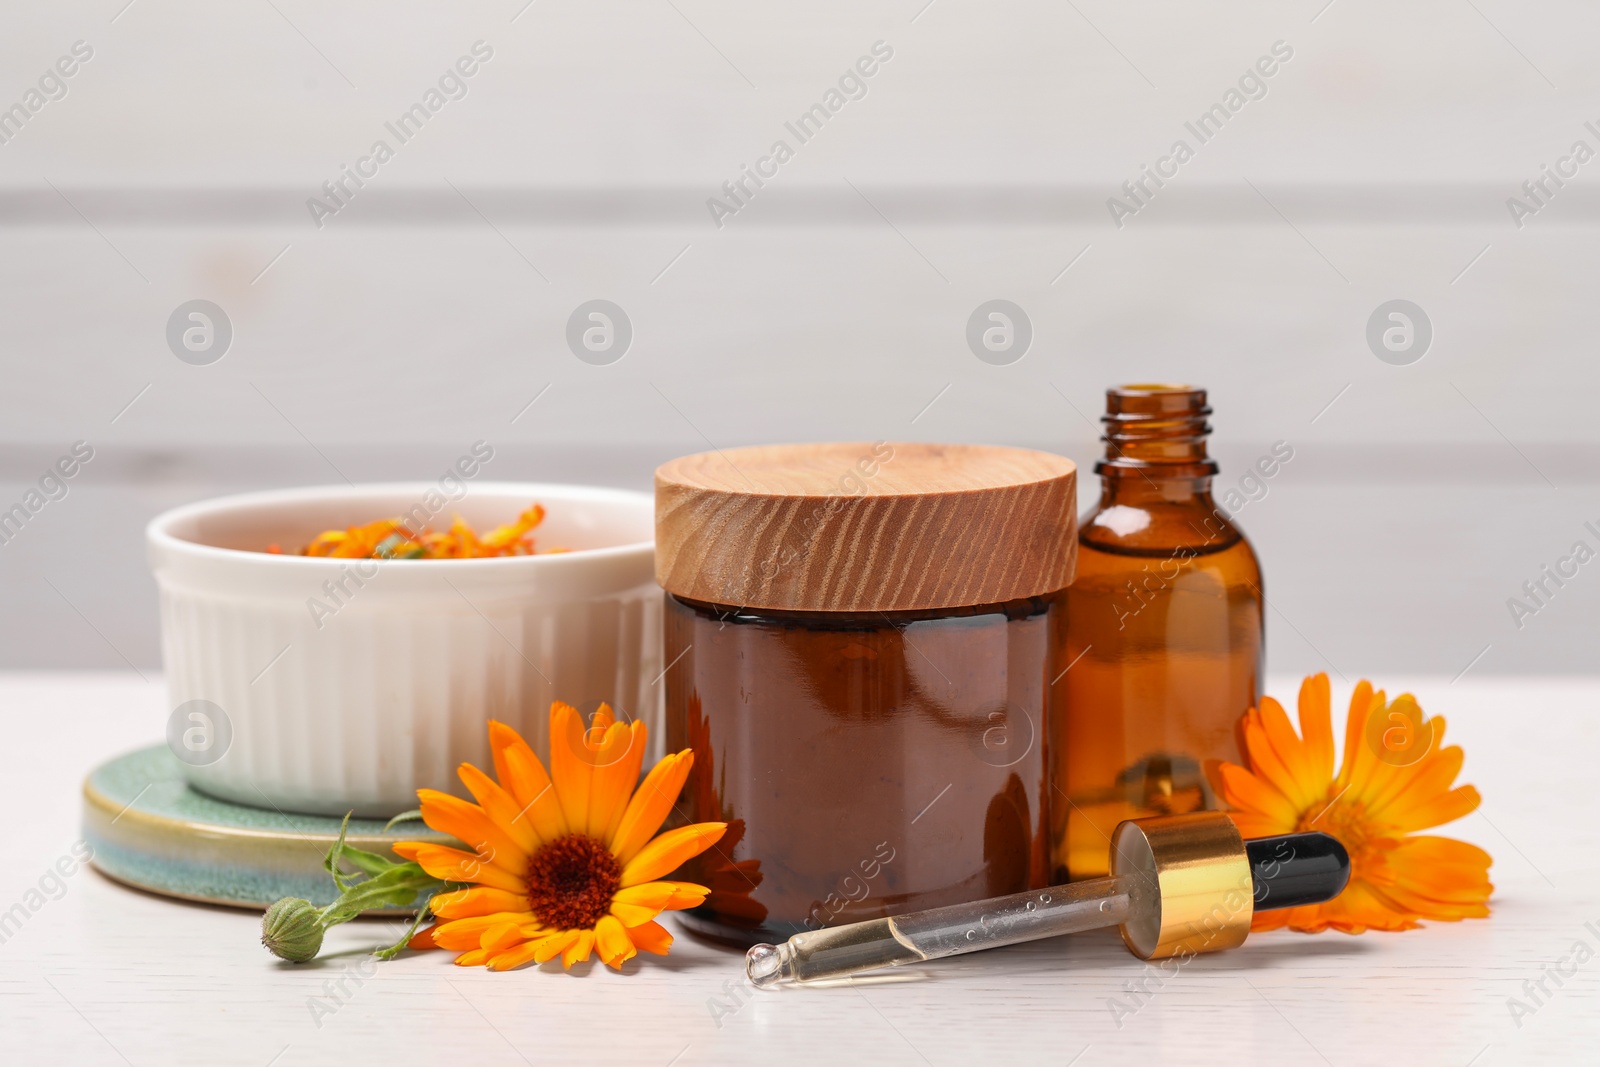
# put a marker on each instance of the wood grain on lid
(866, 527)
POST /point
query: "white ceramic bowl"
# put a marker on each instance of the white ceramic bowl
(388, 684)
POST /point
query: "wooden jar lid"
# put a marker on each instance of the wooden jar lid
(866, 527)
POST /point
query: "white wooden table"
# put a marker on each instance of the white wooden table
(107, 975)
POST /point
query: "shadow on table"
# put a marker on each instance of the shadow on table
(1277, 951)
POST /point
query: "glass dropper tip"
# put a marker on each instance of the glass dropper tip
(763, 965)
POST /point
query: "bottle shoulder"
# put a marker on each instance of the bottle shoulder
(1154, 529)
(1233, 567)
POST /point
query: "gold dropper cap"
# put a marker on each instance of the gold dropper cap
(1199, 865)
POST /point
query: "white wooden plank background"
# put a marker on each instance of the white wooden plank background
(834, 306)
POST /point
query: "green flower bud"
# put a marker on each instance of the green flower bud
(292, 929)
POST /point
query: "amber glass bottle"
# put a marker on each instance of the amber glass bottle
(1164, 631)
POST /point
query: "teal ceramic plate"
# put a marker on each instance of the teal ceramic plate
(148, 828)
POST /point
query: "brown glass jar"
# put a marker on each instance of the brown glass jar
(860, 640)
(1165, 642)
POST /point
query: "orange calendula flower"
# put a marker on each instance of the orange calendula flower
(1397, 779)
(565, 863)
(393, 539)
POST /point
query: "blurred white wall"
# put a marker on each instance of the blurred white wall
(975, 165)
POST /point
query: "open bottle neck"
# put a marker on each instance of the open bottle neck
(1156, 433)
(1155, 479)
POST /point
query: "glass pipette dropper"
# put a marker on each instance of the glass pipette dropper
(1180, 885)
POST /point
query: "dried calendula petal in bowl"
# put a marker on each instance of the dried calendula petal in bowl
(393, 539)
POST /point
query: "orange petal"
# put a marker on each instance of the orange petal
(501, 936)
(669, 896)
(1251, 717)
(423, 938)
(503, 739)
(668, 851)
(1470, 905)
(632, 914)
(1268, 762)
(476, 958)
(1365, 777)
(1241, 789)
(652, 937)
(1362, 906)
(1444, 808)
(468, 933)
(1425, 781)
(1441, 878)
(1304, 919)
(1316, 726)
(543, 811)
(1401, 723)
(1212, 767)
(516, 956)
(453, 865)
(579, 950)
(1252, 825)
(1304, 785)
(613, 943)
(555, 945)
(1437, 723)
(479, 900)
(639, 904)
(616, 772)
(1432, 853)
(570, 771)
(500, 806)
(470, 825)
(1364, 703)
(651, 804)
(524, 777)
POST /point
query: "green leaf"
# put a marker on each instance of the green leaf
(365, 862)
(394, 888)
(405, 816)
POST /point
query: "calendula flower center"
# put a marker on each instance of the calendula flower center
(571, 882)
(1355, 829)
